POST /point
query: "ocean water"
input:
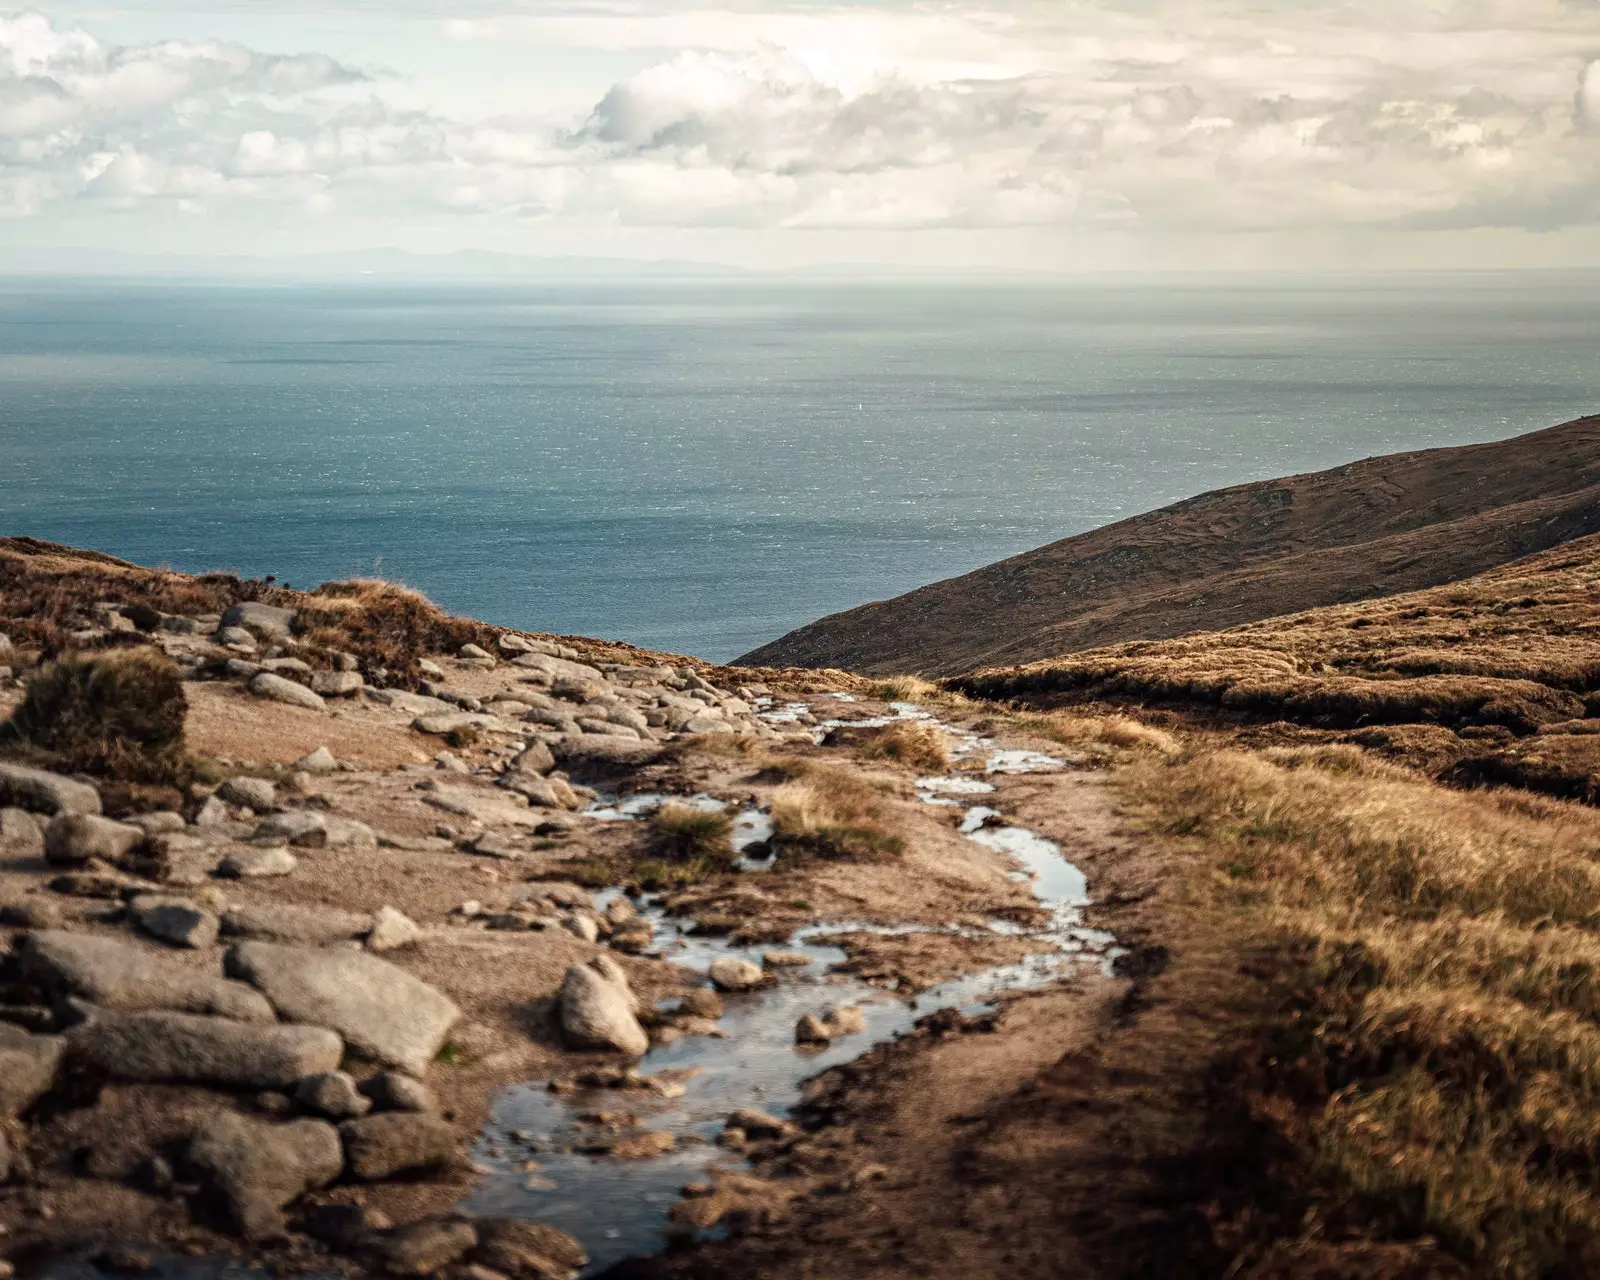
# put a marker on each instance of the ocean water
(701, 466)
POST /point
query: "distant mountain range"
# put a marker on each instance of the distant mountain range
(1376, 527)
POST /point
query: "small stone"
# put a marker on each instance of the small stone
(267, 685)
(619, 911)
(31, 913)
(731, 973)
(392, 930)
(252, 793)
(392, 1142)
(299, 827)
(336, 684)
(581, 926)
(258, 1168)
(163, 822)
(451, 763)
(332, 1094)
(785, 959)
(285, 922)
(20, 834)
(181, 923)
(846, 1020)
(430, 668)
(425, 1247)
(319, 761)
(760, 1124)
(474, 651)
(597, 1012)
(28, 1066)
(39, 791)
(237, 638)
(811, 1029)
(266, 618)
(528, 1250)
(652, 1142)
(73, 839)
(254, 864)
(212, 813)
(391, 1091)
(702, 1002)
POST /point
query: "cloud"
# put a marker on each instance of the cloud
(1091, 115)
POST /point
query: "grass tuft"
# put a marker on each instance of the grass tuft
(118, 715)
(834, 813)
(682, 834)
(913, 743)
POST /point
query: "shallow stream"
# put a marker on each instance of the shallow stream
(618, 1208)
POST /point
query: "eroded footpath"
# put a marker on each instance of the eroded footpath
(451, 978)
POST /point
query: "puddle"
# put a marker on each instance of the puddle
(619, 1208)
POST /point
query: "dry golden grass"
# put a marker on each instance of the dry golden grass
(681, 833)
(1517, 647)
(834, 813)
(1450, 1020)
(1099, 735)
(912, 743)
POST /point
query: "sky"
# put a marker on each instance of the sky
(1049, 135)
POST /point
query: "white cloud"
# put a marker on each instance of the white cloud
(1166, 116)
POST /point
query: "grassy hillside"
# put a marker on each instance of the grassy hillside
(1373, 528)
(1386, 937)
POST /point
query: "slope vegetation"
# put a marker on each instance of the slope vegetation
(1373, 528)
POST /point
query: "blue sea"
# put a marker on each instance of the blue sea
(700, 466)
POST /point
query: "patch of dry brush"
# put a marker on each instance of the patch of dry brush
(834, 813)
(1438, 1072)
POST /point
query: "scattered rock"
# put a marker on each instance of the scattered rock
(173, 920)
(299, 827)
(286, 923)
(581, 925)
(20, 835)
(430, 668)
(642, 1146)
(336, 684)
(598, 1013)
(785, 959)
(392, 930)
(526, 1250)
(422, 1248)
(381, 1011)
(451, 764)
(211, 813)
(267, 685)
(256, 864)
(117, 975)
(760, 1124)
(266, 618)
(619, 911)
(332, 1094)
(811, 1029)
(39, 791)
(392, 1142)
(544, 793)
(346, 1226)
(607, 750)
(73, 839)
(258, 1168)
(846, 1020)
(252, 793)
(391, 1091)
(319, 761)
(156, 1047)
(702, 1002)
(474, 651)
(731, 973)
(28, 1066)
(163, 822)
(31, 913)
(536, 758)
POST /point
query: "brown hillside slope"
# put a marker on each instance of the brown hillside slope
(1372, 528)
(1493, 679)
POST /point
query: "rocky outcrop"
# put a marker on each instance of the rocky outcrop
(382, 1012)
(40, 792)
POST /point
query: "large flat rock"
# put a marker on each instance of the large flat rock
(287, 923)
(40, 791)
(155, 1047)
(120, 976)
(382, 1012)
